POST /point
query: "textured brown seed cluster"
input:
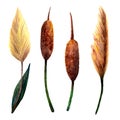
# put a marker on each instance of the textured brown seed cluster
(72, 59)
(47, 37)
(72, 55)
(47, 41)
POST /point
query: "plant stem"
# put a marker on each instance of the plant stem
(46, 89)
(21, 77)
(101, 79)
(21, 69)
(71, 95)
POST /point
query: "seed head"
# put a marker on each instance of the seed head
(47, 38)
(72, 59)
(19, 37)
(100, 47)
(72, 55)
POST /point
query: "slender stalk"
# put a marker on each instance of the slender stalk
(21, 77)
(46, 88)
(21, 69)
(101, 93)
(71, 95)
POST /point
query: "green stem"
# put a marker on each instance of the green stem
(101, 79)
(71, 95)
(46, 89)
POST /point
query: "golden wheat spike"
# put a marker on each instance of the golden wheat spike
(100, 47)
(19, 37)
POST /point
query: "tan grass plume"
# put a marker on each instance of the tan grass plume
(100, 47)
(19, 37)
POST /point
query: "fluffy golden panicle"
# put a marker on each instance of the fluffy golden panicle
(100, 47)
(19, 37)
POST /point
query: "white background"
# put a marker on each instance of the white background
(34, 105)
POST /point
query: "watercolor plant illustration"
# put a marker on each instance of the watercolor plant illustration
(19, 46)
(47, 41)
(100, 49)
(72, 61)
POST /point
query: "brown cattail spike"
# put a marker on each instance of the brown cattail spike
(47, 36)
(72, 61)
(72, 55)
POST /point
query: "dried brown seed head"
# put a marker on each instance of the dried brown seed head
(47, 36)
(72, 59)
(100, 47)
(72, 55)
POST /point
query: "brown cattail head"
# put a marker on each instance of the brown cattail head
(47, 38)
(72, 56)
(72, 59)
(100, 47)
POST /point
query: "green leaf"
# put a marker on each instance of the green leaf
(20, 89)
